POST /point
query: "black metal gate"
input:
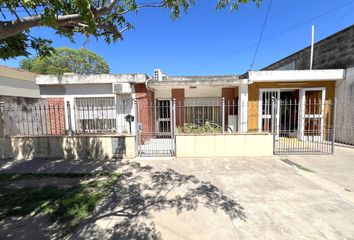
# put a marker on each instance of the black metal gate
(303, 127)
(156, 129)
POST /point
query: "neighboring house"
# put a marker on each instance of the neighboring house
(16, 83)
(17, 89)
(333, 52)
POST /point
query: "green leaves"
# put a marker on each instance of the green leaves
(19, 44)
(81, 61)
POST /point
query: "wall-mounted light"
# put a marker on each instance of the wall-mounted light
(193, 87)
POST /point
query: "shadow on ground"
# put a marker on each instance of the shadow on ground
(140, 192)
(126, 211)
(58, 166)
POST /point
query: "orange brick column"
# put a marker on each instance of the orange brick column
(178, 94)
(146, 102)
(56, 116)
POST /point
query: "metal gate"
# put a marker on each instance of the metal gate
(156, 128)
(304, 126)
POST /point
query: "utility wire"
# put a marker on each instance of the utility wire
(261, 35)
(272, 36)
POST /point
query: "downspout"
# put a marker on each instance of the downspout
(147, 85)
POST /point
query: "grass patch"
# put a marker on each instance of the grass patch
(67, 206)
(299, 166)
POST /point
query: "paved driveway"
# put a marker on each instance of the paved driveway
(243, 198)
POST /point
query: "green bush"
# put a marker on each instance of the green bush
(191, 128)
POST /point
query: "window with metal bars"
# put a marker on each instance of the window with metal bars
(95, 114)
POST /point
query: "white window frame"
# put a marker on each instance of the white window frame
(302, 115)
(268, 116)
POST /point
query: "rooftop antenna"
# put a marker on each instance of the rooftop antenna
(312, 46)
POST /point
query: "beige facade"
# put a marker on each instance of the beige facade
(254, 94)
(224, 145)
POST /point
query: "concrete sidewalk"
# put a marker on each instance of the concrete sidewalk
(337, 168)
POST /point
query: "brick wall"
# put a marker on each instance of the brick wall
(335, 51)
(56, 115)
(145, 99)
(178, 94)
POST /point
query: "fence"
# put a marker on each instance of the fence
(297, 127)
(85, 116)
(38, 119)
(303, 128)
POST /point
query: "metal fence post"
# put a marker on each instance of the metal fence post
(334, 123)
(2, 122)
(273, 122)
(174, 125)
(137, 127)
(223, 114)
(68, 110)
(174, 116)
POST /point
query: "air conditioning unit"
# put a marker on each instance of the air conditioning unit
(121, 88)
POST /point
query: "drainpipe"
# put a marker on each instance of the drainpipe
(147, 85)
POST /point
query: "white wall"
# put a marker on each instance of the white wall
(345, 108)
(203, 92)
(199, 92)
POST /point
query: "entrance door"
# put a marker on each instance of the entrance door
(312, 114)
(266, 109)
(164, 117)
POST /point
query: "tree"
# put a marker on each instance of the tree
(98, 18)
(81, 61)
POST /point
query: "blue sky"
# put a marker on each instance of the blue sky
(206, 41)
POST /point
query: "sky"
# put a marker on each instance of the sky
(206, 41)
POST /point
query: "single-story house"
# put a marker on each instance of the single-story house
(247, 99)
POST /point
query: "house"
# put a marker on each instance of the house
(223, 115)
(292, 104)
(247, 100)
(333, 52)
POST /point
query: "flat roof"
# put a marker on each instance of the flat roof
(90, 79)
(297, 75)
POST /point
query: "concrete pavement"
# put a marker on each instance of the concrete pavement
(239, 198)
(243, 198)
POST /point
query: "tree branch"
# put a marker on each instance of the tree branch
(11, 28)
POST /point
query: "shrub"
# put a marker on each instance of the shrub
(191, 128)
